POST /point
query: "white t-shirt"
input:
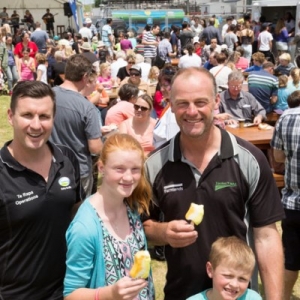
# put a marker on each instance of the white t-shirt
(187, 61)
(43, 68)
(265, 37)
(165, 128)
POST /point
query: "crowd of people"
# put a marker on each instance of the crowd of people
(155, 147)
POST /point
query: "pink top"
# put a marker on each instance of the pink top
(26, 73)
(146, 140)
(125, 45)
(242, 63)
(105, 81)
(119, 112)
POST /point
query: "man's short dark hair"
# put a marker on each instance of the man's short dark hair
(267, 65)
(167, 35)
(76, 67)
(184, 25)
(155, 26)
(128, 91)
(31, 89)
(108, 20)
(294, 99)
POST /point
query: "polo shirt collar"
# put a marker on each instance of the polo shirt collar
(228, 97)
(226, 151)
(11, 162)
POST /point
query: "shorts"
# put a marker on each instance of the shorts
(281, 46)
(291, 239)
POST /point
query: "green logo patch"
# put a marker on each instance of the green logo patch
(223, 185)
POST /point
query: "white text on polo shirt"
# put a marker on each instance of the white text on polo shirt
(28, 199)
(173, 188)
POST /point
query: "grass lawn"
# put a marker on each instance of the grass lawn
(159, 268)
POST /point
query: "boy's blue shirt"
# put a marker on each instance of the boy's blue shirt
(248, 295)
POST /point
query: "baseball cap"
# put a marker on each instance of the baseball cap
(136, 68)
(88, 21)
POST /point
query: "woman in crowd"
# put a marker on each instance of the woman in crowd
(26, 66)
(153, 75)
(125, 43)
(294, 84)
(281, 37)
(132, 39)
(25, 43)
(11, 72)
(141, 125)
(285, 66)
(3, 61)
(158, 101)
(246, 39)
(190, 59)
(221, 71)
(107, 231)
(124, 71)
(105, 76)
(241, 63)
(167, 126)
(58, 68)
(123, 109)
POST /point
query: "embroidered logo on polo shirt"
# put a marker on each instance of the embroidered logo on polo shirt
(223, 185)
(64, 182)
(173, 188)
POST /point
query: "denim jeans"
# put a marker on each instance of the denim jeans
(12, 76)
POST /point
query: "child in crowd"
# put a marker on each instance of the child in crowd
(105, 76)
(285, 66)
(95, 44)
(26, 67)
(42, 63)
(230, 266)
(153, 75)
(283, 93)
(107, 231)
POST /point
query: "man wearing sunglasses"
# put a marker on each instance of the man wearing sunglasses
(135, 74)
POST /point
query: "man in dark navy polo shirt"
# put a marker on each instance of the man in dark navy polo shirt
(204, 164)
(40, 185)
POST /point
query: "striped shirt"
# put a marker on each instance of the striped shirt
(149, 50)
(263, 85)
(106, 32)
(287, 138)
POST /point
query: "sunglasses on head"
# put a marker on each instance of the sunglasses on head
(139, 107)
(170, 72)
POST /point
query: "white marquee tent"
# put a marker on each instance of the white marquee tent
(38, 9)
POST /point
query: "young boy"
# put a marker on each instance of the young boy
(230, 266)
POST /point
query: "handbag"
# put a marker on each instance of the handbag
(158, 61)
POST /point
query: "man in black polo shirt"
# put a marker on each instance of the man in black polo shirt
(204, 164)
(40, 184)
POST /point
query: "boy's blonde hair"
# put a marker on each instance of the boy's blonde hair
(233, 251)
(41, 58)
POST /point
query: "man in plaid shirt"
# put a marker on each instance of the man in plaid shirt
(285, 142)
